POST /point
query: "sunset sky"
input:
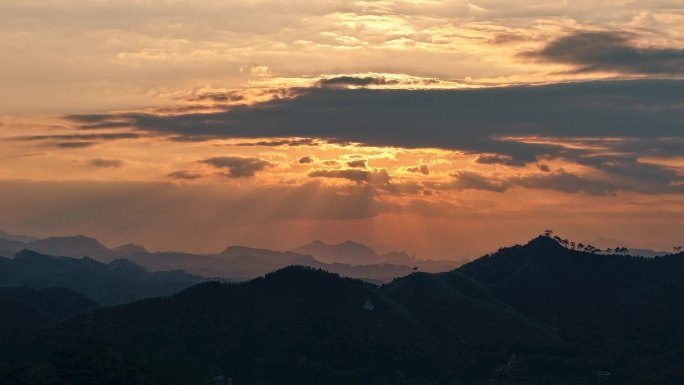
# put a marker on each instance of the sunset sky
(444, 128)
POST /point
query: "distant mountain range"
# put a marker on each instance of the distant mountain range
(540, 313)
(238, 262)
(18, 238)
(117, 282)
(358, 254)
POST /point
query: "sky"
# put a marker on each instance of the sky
(443, 128)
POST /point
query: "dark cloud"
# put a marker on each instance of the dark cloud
(423, 169)
(306, 159)
(101, 125)
(354, 81)
(562, 181)
(611, 52)
(76, 137)
(238, 167)
(72, 141)
(544, 167)
(74, 144)
(468, 120)
(184, 175)
(106, 163)
(375, 177)
(565, 182)
(282, 142)
(468, 180)
(646, 115)
(505, 160)
(221, 97)
(361, 163)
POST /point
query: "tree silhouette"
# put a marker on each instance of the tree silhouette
(621, 250)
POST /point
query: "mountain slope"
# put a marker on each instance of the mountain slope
(15, 237)
(533, 314)
(235, 262)
(573, 288)
(73, 246)
(294, 323)
(108, 284)
(26, 307)
(457, 308)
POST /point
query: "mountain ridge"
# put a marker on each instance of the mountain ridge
(117, 282)
(234, 262)
(534, 313)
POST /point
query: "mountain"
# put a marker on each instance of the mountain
(242, 263)
(358, 254)
(26, 307)
(76, 246)
(235, 262)
(9, 247)
(73, 246)
(556, 284)
(314, 326)
(402, 258)
(129, 248)
(18, 238)
(605, 243)
(538, 313)
(118, 282)
(349, 252)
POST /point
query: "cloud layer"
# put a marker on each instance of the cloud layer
(603, 127)
(610, 52)
(237, 167)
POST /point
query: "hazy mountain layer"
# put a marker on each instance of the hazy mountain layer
(118, 282)
(239, 262)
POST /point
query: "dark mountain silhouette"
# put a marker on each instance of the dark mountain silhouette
(539, 313)
(118, 282)
(26, 307)
(578, 289)
(314, 326)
